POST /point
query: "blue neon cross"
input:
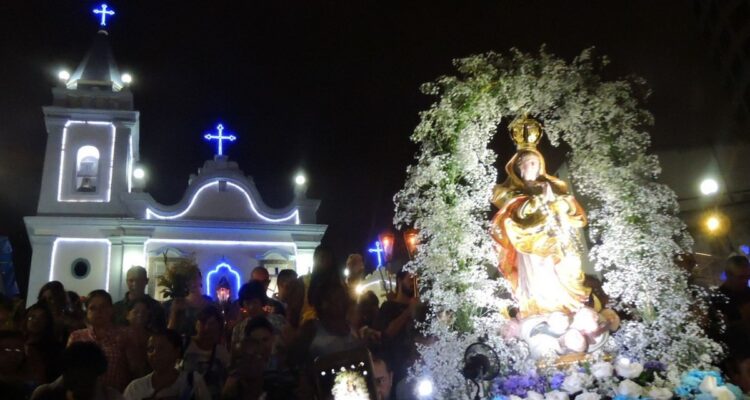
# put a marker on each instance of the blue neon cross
(220, 138)
(378, 250)
(104, 12)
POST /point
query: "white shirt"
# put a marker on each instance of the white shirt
(141, 388)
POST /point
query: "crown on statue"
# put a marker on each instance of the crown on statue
(526, 132)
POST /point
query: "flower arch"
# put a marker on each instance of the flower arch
(634, 227)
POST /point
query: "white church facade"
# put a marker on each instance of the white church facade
(94, 221)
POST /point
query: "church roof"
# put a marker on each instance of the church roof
(98, 68)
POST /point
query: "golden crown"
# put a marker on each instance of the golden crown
(526, 132)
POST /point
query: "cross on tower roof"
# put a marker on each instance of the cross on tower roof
(220, 137)
(105, 13)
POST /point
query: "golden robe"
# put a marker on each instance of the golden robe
(537, 243)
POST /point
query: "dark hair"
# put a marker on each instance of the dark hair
(257, 323)
(86, 356)
(323, 285)
(56, 288)
(285, 275)
(142, 300)
(323, 259)
(737, 261)
(209, 312)
(49, 330)
(369, 299)
(401, 274)
(172, 337)
(253, 290)
(260, 269)
(377, 358)
(97, 293)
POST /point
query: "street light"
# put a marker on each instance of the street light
(411, 238)
(709, 186)
(139, 173)
(63, 75)
(387, 238)
(715, 223)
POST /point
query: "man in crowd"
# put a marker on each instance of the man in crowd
(137, 280)
(260, 274)
(396, 324)
(383, 377)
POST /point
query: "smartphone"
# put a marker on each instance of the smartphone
(346, 375)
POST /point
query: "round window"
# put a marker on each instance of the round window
(80, 268)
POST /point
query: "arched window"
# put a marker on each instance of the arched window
(87, 169)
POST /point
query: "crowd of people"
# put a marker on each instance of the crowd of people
(256, 347)
(191, 347)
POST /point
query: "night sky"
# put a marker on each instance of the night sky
(331, 88)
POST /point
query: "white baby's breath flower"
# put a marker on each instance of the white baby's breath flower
(629, 388)
(602, 370)
(532, 395)
(627, 369)
(556, 395)
(659, 393)
(588, 396)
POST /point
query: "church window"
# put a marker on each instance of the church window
(80, 268)
(87, 169)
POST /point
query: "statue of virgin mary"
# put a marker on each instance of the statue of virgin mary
(536, 229)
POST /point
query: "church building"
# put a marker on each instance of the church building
(94, 221)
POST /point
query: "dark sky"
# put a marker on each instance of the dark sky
(328, 87)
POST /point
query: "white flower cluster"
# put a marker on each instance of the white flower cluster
(634, 230)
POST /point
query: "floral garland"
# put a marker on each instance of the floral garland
(622, 380)
(634, 228)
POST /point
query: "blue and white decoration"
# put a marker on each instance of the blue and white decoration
(219, 137)
(379, 253)
(103, 11)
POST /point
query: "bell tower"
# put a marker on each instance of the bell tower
(93, 139)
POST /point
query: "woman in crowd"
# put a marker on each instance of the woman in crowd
(136, 336)
(330, 332)
(102, 331)
(43, 350)
(54, 296)
(166, 381)
(205, 353)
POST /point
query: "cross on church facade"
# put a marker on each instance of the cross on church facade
(378, 251)
(105, 13)
(220, 138)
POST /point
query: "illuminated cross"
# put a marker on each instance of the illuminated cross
(378, 250)
(105, 13)
(220, 138)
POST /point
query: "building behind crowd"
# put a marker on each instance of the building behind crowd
(94, 221)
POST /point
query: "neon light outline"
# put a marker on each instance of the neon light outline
(294, 215)
(378, 251)
(221, 265)
(130, 163)
(62, 163)
(220, 138)
(104, 12)
(84, 240)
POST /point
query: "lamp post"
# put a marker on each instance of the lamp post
(411, 239)
(713, 222)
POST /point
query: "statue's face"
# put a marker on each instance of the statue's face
(528, 167)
